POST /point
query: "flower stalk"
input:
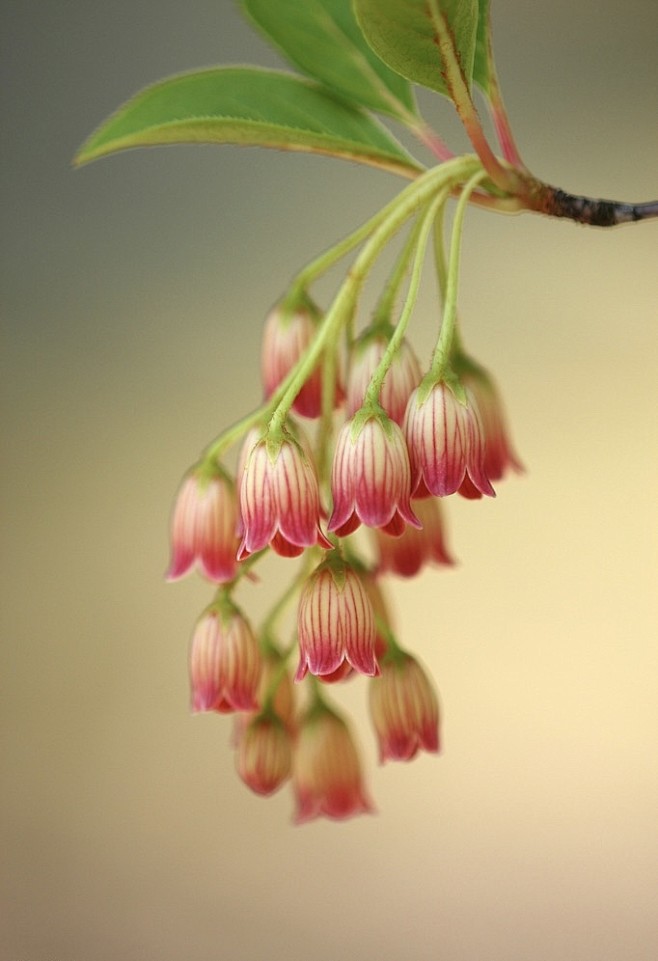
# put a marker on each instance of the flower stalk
(372, 395)
(441, 358)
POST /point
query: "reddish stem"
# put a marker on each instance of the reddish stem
(433, 142)
(499, 113)
(453, 75)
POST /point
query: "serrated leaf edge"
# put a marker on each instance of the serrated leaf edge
(374, 156)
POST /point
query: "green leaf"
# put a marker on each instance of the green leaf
(323, 39)
(481, 65)
(423, 40)
(241, 105)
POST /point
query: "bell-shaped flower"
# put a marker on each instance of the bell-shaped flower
(371, 476)
(327, 777)
(335, 622)
(203, 529)
(499, 454)
(225, 661)
(408, 554)
(279, 500)
(445, 440)
(402, 377)
(264, 755)
(287, 336)
(404, 709)
(383, 623)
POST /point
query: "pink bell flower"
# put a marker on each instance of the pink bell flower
(408, 554)
(203, 529)
(499, 454)
(401, 379)
(279, 500)
(371, 477)
(286, 338)
(225, 662)
(404, 709)
(446, 443)
(327, 777)
(335, 622)
(264, 755)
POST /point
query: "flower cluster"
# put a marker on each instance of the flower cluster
(382, 445)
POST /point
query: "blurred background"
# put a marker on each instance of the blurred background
(133, 293)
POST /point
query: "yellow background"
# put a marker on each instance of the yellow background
(133, 294)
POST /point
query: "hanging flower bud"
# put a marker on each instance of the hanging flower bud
(499, 454)
(383, 624)
(279, 500)
(404, 709)
(225, 661)
(371, 477)
(335, 622)
(264, 755)
(401, 379)
(255, 434)
(286, 338)
(445, 441)
(406, 555)
(203, 530)
(327, 778)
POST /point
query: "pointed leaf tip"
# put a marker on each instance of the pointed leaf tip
(243, 105)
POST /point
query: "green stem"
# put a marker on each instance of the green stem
(507, 204)
(279, 608)
(386, 302)
(375, 386)
(440, 254)
(393, 650)
(326, 260)
(396, 213)
(215, 450)
(318, 701)
(442, 270)
(441, 357)
(325, 429)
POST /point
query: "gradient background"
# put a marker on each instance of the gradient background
(133, 293)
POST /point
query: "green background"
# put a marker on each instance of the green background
(133, 292)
